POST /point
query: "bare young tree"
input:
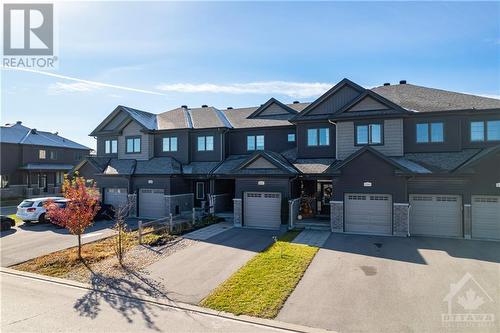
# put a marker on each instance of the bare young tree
(121, 227)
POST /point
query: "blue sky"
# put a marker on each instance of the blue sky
(158, 55)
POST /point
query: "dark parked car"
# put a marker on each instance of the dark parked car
(7, 223)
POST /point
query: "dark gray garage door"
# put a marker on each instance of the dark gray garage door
(117, 197)
(262, 210)
(436, 215)
(152, 203)
(368, 213)
(486, 217)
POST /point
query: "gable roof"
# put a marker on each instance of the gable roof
(423, 99)
(479, 157)
(145, 119)
(391, 107)
(401, 168)
(20, 134)
(344, 82)
(240, 117)
(270, 102)
(158, 166)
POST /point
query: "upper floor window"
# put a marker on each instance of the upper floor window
(369, 134)
(111, 146)
(4, 181)
(42, 154)
(318, 136)
(53, 155)
(170, 144)
(205, 143)
(485, 130)
(255, 142)
(291, 137)
(133, 145)
(430, 132)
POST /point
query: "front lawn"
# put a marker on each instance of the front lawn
(261, 287)
(15, 218)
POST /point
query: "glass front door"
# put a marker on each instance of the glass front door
(325, 191)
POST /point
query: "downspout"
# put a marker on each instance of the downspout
(290, 216)
(336, 134)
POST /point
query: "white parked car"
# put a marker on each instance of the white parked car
(33, 210)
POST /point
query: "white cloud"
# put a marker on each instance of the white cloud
(83, 86)
(292, 89)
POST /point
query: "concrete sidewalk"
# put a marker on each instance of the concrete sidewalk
(312, 237)
(35, 303)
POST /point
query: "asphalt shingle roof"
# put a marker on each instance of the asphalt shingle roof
(199, 168)
(174, 119)
(442, 162)
(158, 166)
(47, 166)
(147, 119)
(120, 167)
(20, 134)
(425, 99)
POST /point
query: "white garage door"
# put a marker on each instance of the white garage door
(436, 215)
(262, 210)
(368, 213)
(486, 217)
(117, 197)
(152, 203)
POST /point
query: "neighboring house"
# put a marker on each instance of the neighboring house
(34, 162)
(392, 160)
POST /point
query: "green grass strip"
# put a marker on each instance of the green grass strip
(261, 287)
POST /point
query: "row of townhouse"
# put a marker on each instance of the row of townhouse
(392, 160)
(33, 162)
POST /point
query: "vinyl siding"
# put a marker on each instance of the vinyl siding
(305, 151)
(134, 129)
(272, 110)
(393, 139)
(368, 104)
(271, 185)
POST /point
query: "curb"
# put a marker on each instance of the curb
(171, 304)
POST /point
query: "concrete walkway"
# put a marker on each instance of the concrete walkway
(210, 231)
(312, 237)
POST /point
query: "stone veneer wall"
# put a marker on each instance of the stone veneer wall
(337, 216)
(467, 221)
(185, 202)
(294, 212)
(237, 212)
(13, 191)
(401, 215)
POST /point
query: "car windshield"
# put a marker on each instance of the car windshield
(26, 203)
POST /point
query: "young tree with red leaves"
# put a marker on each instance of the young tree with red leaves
(80, 210)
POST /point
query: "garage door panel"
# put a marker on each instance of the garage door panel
(436, 215)
(152, 203)
(262, 210)
(368, 213)
(485, 217)
(117, 197)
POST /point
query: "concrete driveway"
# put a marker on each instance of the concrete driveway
(190, 274)
(28, 241)
(388, 284)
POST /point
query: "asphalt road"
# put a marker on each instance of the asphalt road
(32, 305)
(28, 241)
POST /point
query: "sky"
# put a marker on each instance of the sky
(156, 56)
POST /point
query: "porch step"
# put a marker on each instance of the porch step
(316, 225)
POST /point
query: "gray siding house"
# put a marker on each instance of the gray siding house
(34, 162)
(393, 160)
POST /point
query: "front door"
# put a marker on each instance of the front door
(42, 182)
(325, 190)
(200, 193)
